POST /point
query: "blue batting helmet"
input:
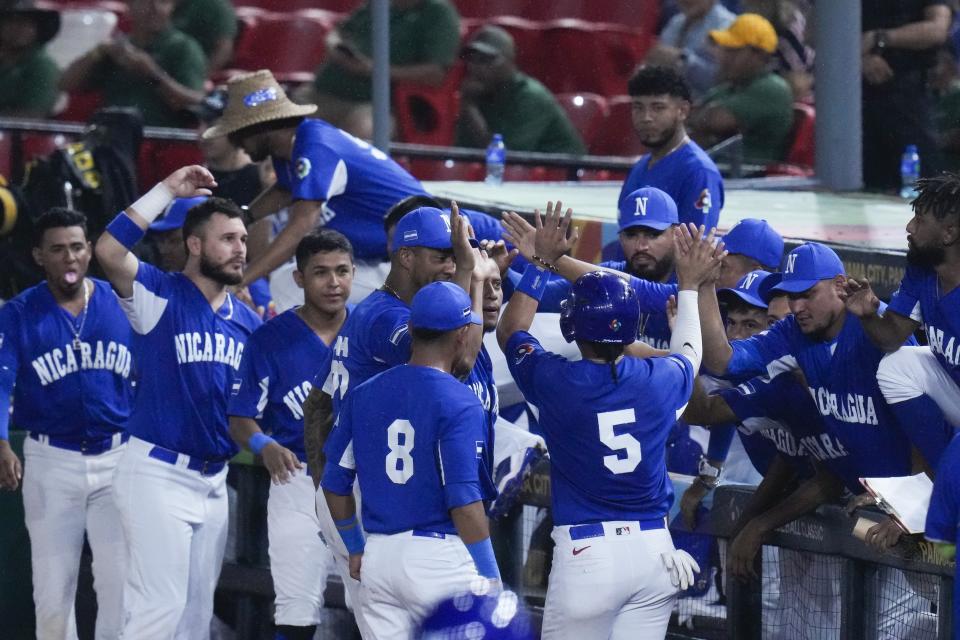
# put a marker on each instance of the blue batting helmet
(601, 308)
(472, 615)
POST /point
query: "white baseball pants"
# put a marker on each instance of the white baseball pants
(611, 586)
(910, 372)
(175, 520)
(299, 559)
(65, 494)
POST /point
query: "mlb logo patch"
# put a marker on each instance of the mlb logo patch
(615, 325)
(260, 96)
(522, 352)
(623, 531)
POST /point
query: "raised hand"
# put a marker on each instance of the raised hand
(552, 240)
(698, 258)
(859, 298)
(460, 234)
(190, 181)
(520, 234)
(498, 252)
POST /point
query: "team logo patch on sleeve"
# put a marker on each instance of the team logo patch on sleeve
(303, 167)
(522, 352)
(703, 201)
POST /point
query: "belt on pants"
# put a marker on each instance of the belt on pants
(86, 447)
(205, 467)
(595, 530)
(423, 533)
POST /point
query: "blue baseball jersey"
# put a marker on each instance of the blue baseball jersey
(841, 375)
(687, 175)
(59, 390)
(607, 439)
(356, 182)
(192, 355)
(481, 382)
(944, 511)
(784, 399)
(416, 454)
(919, 299)
(374, 338)
(276, 376)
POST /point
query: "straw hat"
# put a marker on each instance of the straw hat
(253, 98)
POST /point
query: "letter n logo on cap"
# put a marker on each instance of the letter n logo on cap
(641, 206)
(748, 281)
(791, 263)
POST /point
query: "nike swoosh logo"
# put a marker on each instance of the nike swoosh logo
(577, 552)
(687, 344)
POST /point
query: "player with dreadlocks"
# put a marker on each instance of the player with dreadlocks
(921, 383)
(615, 569)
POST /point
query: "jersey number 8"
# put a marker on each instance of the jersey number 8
(399, 463)
(622, 442)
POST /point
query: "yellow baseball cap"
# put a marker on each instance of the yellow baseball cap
(748, 30)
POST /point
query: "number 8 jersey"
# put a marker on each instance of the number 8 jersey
(606, 438)
(415, 438)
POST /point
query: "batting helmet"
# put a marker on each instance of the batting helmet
(472, 615)
(601, 308)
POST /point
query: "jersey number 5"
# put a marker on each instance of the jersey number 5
(623, 442)
(399, 461)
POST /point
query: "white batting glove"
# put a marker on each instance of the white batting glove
(681, 566)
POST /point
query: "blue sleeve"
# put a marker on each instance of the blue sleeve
(721, 439)
(459, 452)
(390, 337)
(319, 173)
(9, 363)
(702, 198)
(653, 296)
(523, 353)
(251, 387)
(282, 170)
(764, 353)
(906, 299)
(754, 398)
(943, 513)
(154, 280)
(341, 469)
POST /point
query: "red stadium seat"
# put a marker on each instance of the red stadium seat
(587, 112)
(593, 57)
(429, 169)
(338, 6)
(80, 106)
(290, 45)
(637, 13)
(528, 39)
(800, 155)
(428, 115)
(616, 137)
(160, 158)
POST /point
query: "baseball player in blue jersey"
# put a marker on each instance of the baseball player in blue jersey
(752, 244)
(189, 336)
(324, 175)
(606, 419)
(421, 460)
(675, 164)
(65, 357)
(266, 416)
(943, 515)
(921, 383)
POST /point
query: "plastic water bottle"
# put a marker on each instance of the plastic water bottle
(496, 160)
(909, 172)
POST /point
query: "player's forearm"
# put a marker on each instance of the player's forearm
(716, 349)
(822, 488)
(707, 410)
(317, 421)
(471, 522)
(571, 268)
(642, 350)
(269, 201)
(283, 246)
(242, 429)
(772, 488)
(114, 248)
(341, 507)
(686, 338)
(885, 332)
(519, 314)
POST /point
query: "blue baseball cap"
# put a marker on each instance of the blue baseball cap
(647, 207)
(807, 265)
(442, 306)
(749, 288)
(755, 239)
(766, 290)
(423, 227)
(176, 213)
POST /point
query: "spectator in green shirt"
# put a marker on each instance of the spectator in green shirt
(424, 38)
(212, 23)
(751, 99)
(158, 69)
(27, 73)
(496, 97)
